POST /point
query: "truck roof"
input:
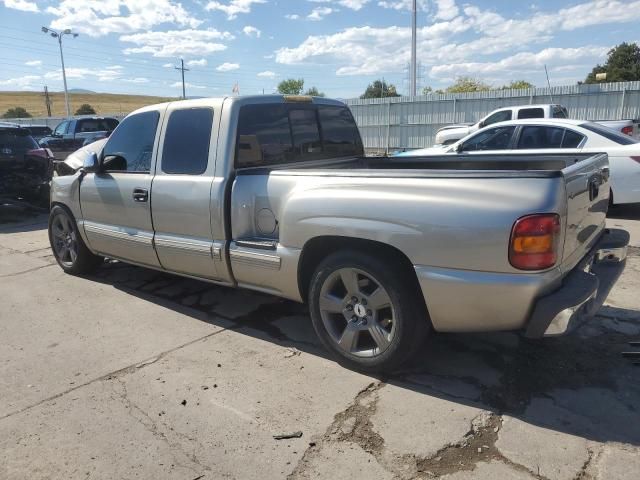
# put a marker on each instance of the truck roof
(246, 99)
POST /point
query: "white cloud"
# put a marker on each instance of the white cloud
(79, 73)
(227, 67)
(99, 17)
(33, 63)
(177, 43)
(403, 4)
(197, 63)
(187, 85)
(168, 65)
(267, 74)
(23, 5)
(26, 82)
(520, 63)
(292, 16)
(136, 80)
(446, 9)
(352, 4)
(369, 50)
(233, 7)
(250, 31)
(319, 13)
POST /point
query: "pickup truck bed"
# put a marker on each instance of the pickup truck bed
(283, 201)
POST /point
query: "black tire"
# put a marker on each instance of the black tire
(80, 262)
(407, 322)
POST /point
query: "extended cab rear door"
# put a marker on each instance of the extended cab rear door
(181, 191)
(115, 202)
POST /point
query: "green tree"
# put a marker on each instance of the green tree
(314, 92)
(622, 65)
(468, 84)
(291, 86)
(518, 85)
(85, 109)
(427, 91)
(16, 112)
(380, 89)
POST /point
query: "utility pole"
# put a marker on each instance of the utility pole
(47, 101)
(59, 36)
(182, 69)
(414, 39)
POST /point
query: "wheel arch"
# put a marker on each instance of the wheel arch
(318, 248)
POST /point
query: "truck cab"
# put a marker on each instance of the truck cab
(70, 135)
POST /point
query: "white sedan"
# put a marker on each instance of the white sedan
(556, 136)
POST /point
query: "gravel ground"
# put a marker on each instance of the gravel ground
(131, 373)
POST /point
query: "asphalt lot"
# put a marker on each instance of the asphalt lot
(132, 373)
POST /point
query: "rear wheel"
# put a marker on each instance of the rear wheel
(367, 313)
(69, 249)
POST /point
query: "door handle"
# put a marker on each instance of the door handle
(140, 195)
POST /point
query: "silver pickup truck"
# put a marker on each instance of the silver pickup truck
(273, 193)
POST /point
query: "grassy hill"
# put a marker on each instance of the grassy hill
(103, 103)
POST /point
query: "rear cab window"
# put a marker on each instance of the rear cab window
(531, 113)
(277, 134)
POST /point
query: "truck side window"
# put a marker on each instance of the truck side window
(264, 135)
(560, 112)
(61, 129)
(501, 116)
(130, 147)
(498, 138)
(530, 113)
(186, 141)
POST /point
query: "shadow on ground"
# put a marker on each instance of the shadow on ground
(578, 384)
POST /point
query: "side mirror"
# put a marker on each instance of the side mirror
(460, 147)
(91, 164)
(481, 125)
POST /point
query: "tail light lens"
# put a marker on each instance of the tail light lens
(41, 152)
(628, 130)
(534, 242)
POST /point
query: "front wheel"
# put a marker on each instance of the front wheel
(366, 312)
(69, 249)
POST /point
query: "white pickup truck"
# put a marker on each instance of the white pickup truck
(452, 133)
(274, 194)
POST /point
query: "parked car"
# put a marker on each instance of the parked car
(38, 132)
(452, 133)
(70, 135)
(273, 193)
(25, 168)
(557, 135)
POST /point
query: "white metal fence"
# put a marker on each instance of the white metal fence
(388, 124)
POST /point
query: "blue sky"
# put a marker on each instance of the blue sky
(339, 46)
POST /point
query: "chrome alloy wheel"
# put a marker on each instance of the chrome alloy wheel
(65, 243)
(357, 312)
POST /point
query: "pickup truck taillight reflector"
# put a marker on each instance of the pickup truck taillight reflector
(628, 130)
(534, 242)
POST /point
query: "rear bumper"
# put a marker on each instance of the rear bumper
(583, 290)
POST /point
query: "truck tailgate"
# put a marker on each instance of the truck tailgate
(587, 190)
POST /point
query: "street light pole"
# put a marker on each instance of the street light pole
(59, 36)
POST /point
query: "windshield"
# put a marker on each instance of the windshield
(609, 133)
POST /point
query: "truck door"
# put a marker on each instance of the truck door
(115, 202)
(182, 191)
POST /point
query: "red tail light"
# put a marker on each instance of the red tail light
(534, 242)
(628, 130)
(41, 152)
(635, 159)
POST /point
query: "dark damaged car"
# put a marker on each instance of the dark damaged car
(26, 169)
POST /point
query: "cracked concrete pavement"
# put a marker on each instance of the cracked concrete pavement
(135, 373)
